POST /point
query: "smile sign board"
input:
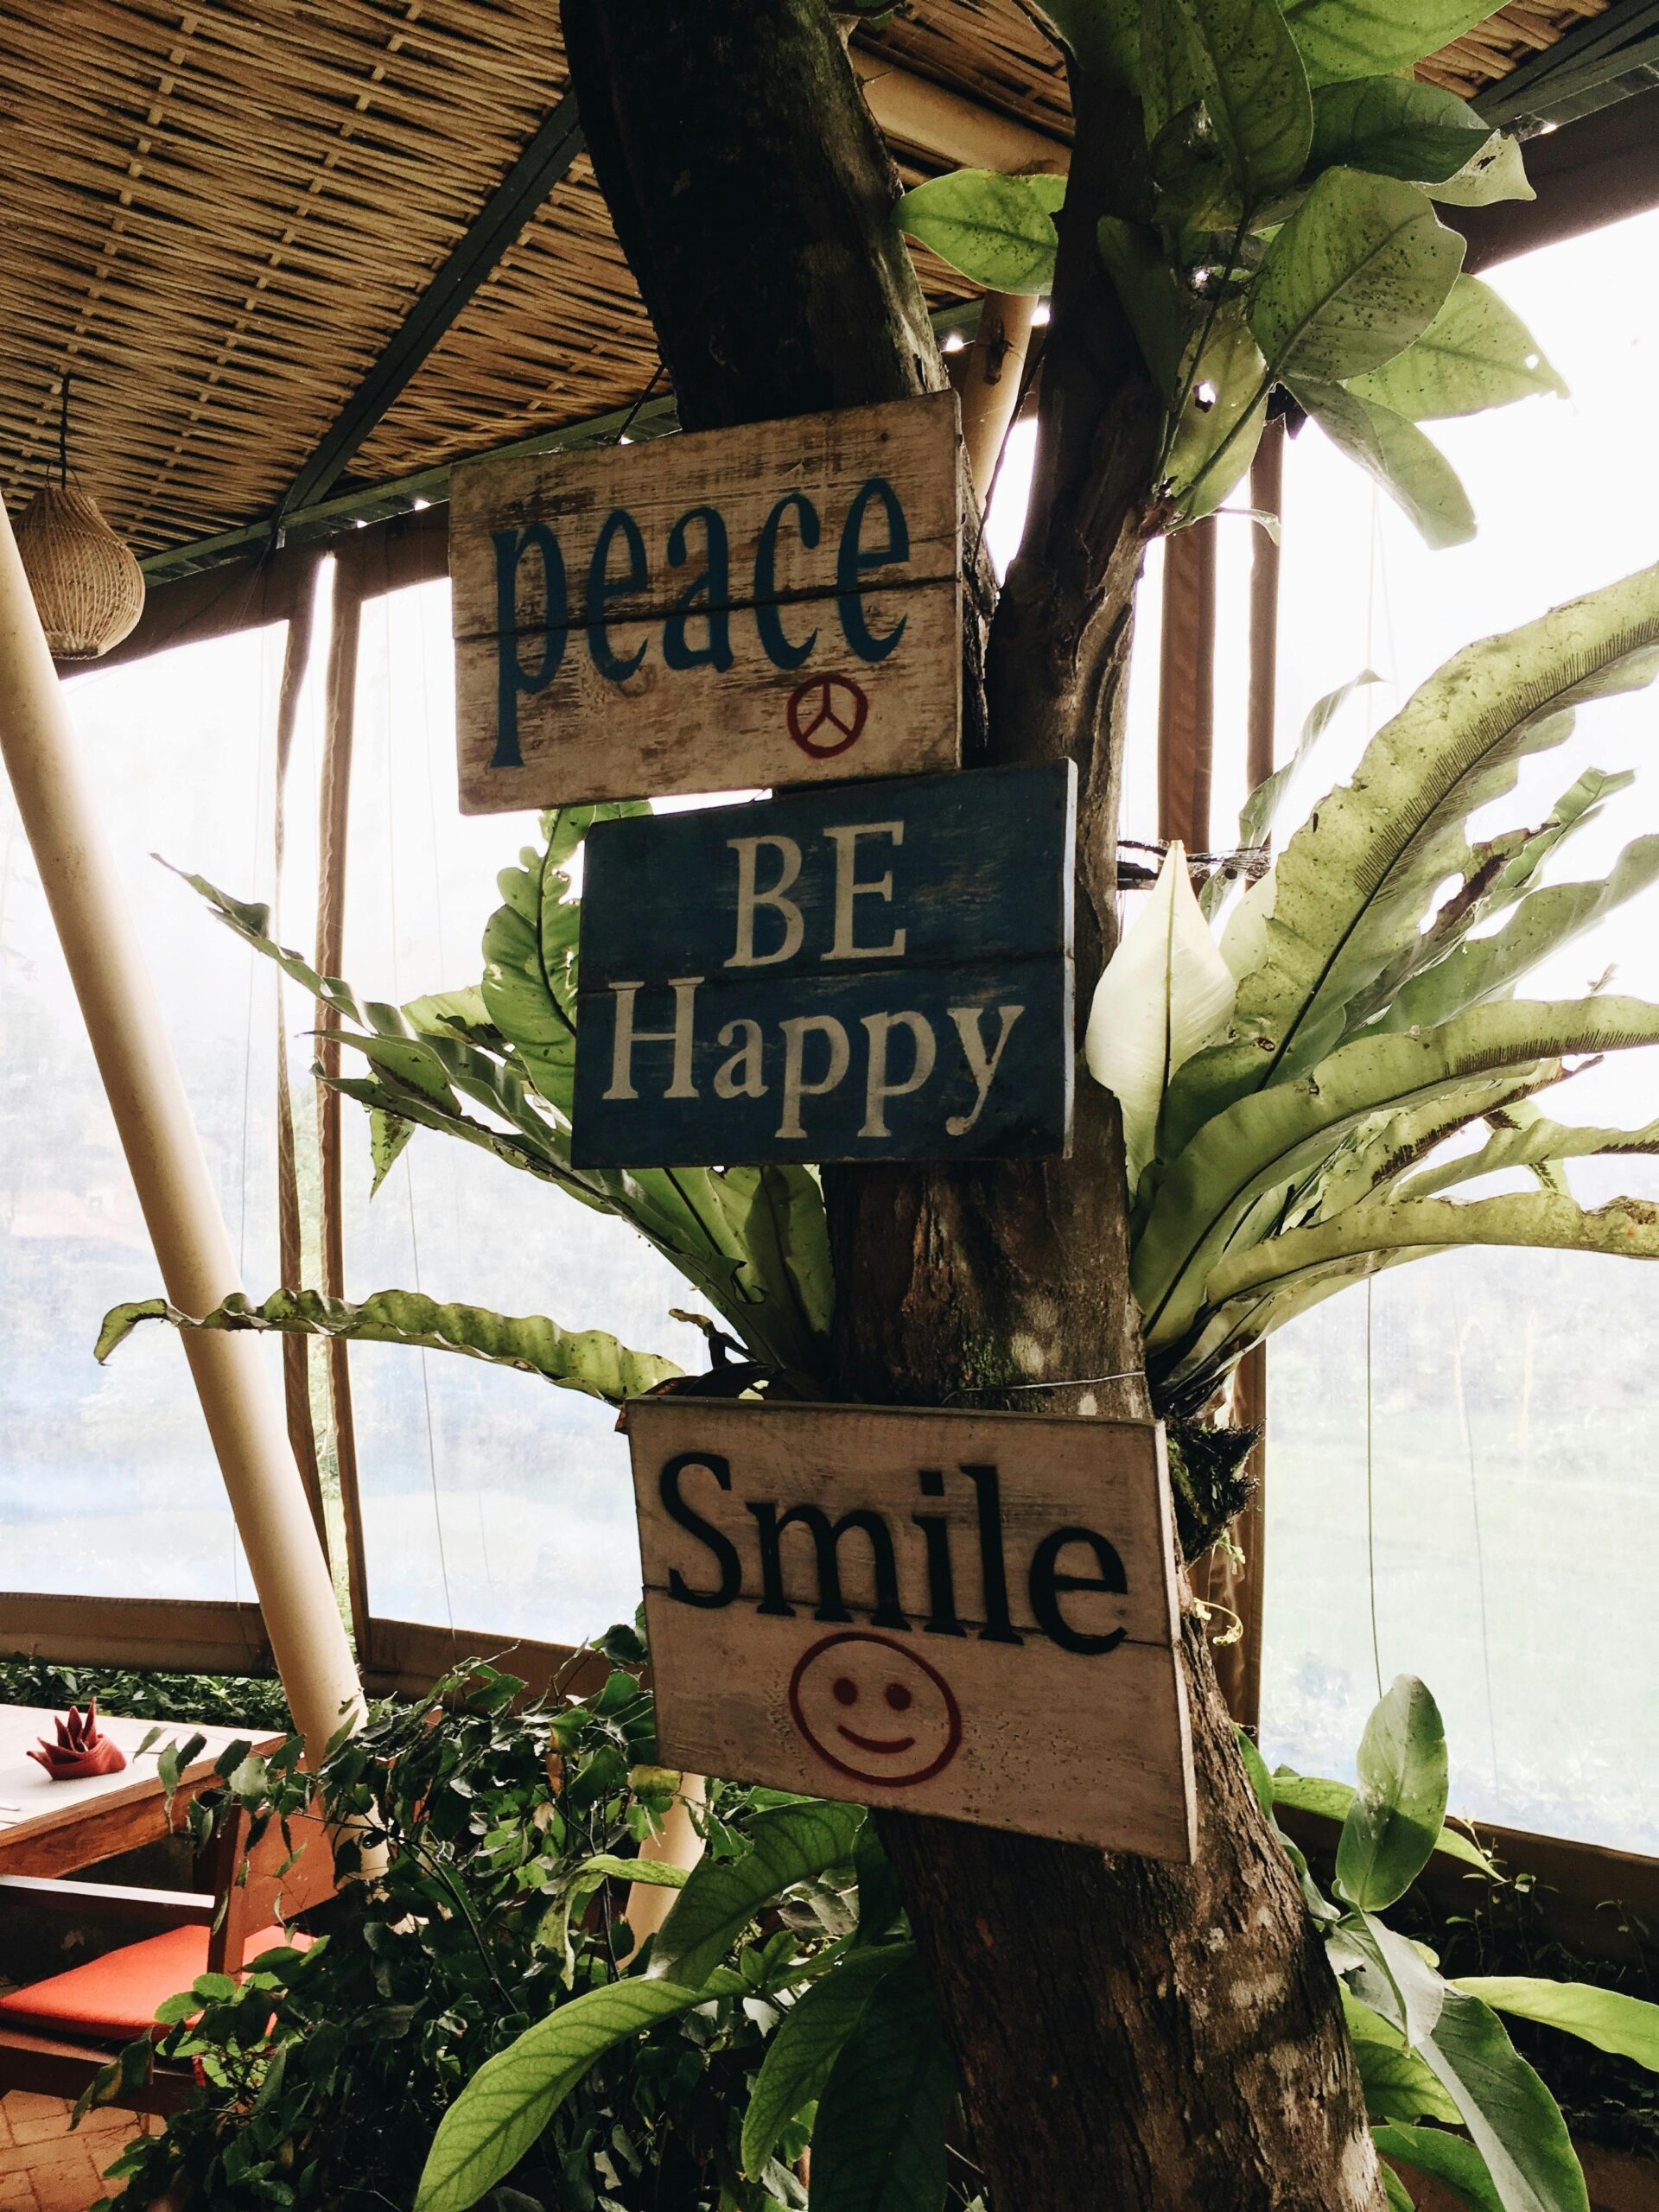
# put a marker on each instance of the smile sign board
(775, 604)
(878, 972)
(971, 1615)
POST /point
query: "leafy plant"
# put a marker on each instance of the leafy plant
(859, 2060)
(1277, 243)
(1295, 1068)
(496, 1921)
(1299, 1148)
(493, 1066)
(142, 1694)
(1448, 2093)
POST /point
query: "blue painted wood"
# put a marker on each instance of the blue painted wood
(880, 971)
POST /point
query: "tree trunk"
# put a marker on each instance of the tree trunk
(1172, 2033)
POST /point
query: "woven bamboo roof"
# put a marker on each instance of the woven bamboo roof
(219, 213)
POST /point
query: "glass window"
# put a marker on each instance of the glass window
(492, 1502)
(108, 1485)
(1459, 1484)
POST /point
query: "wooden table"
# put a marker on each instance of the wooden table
(52, 1827)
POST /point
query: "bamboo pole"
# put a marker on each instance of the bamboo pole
(58, 806)
(994, 381)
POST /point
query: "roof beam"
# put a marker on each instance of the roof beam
(1604, 59)
(545, 161)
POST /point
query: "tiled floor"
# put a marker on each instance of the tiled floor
(44, 2168)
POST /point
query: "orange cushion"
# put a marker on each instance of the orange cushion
(115, 1998)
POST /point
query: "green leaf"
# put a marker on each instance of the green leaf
(1152, 297)
(1514, 2123)
(1394, 126)
(1358, 272)
(1165, 993)
(1103, 35)
(1449, 2158)
(1476, 354)
(879, 2139)
(1389, 1974)
(1235, 60)
(655, 1873)
(1497, 173)
(1410, 467)
(589, 1360)
(1399, 2084)
(1256, 817)
(1389, 1832)
(509, 2100)
(794, 1844)
(1627, 2026)
(1398, 2196)
(1221, 423)
(996, 230)
(1372, 38)
(1310, 1793)
(388, 1135)
(1256, 1767)
(808, 2042)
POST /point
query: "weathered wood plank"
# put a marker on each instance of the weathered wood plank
(831, 976)
(741, 474)
(967, 1615)
(677, 616)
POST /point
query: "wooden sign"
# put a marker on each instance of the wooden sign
(776, 604)
(862, 974)
(967, 1614)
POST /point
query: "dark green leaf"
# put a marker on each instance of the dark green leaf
(1449, 2158)
(1358, 272)
(1236, 62)
(1391, 1829)
(808, 2042)
(997, 231)
(795, 1844)
(508, 2103)
(1411, 470)
(1394, 126)
(1371, 38)
(879, 2139)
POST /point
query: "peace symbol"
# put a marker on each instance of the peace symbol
(832, 708)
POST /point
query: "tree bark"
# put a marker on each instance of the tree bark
(1172, 2033)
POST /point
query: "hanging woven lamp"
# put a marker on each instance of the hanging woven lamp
(88, 589)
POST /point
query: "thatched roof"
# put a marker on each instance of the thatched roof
(220, 214)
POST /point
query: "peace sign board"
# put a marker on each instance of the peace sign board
(776, 604)
(876, 972)
(967, 1614)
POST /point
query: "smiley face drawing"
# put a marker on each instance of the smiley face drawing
(873, 1710)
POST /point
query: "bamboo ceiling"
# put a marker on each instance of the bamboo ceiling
(219, 213)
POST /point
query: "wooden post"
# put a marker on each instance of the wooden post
(57, 803)
(676, 1843)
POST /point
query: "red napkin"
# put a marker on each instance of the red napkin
(80, 1750)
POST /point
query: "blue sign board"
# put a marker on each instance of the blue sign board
(875, 971)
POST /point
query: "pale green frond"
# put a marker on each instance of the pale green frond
(1485, 967)
(1350, 888)
(589, 1360)
(1625, 1228)
(1271, 1137)
(1528, 1139)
